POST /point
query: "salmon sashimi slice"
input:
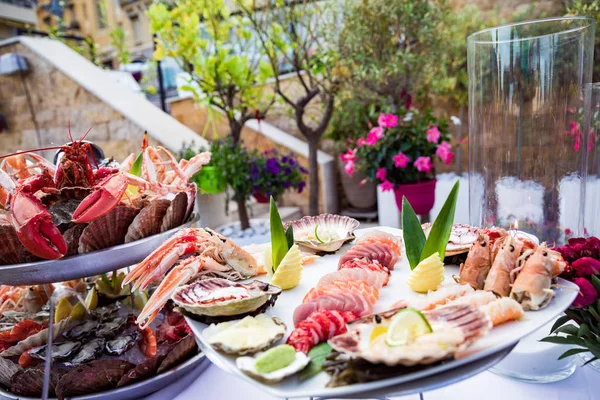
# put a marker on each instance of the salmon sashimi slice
(382, 273)
(371, 293)
(374, 278)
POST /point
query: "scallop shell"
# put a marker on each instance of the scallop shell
(338, 225)
(248, 366)
(461, 238)
(11, 249)
(108, 230)
(175, 215)
(246, 336)
(149, 221)
(180, 352)
(72, 236)
(454, 327)
(7, 370)
(191, 200)
(202, 300)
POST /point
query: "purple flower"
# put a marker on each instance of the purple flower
(303, 170)
(292, 162)
(286, 184)
(284, 159)
(287, 171)
(273, 166)
(587, 294)
(301, 186)
(586, 266)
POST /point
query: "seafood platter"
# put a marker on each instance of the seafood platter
(372, 313)
(86, 216)
(97, 348)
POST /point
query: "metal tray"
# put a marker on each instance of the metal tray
(137, 390)
(84, 265)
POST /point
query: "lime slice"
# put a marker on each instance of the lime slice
(139, 300)
(275, 358)
(406, 326)
(324, 237)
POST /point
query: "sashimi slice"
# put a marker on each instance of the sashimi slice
(371, 293)
(372, 266)
(378, 235)
(383, 252)
(374, 278)
(357, 303)
(319, 326)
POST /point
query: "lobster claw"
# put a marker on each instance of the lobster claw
(35, 229)
(104, 198)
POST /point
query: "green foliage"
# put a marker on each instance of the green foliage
(588, 8)
(119, 42)
(413, 234)
(210, 44)
(279, 237)
(318, 355)
(351, 117)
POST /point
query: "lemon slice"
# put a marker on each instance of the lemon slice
(324, 237)
(406, 326)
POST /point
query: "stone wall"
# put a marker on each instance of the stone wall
(56, 99)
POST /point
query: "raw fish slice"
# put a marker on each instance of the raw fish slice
(372, 266)
(374, 278)
(319, 326)
(357, 303)
(371, 293)
(380, 235)
(380, 251)
(439, 297)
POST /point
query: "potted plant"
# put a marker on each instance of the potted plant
(399, 154)
(209, 179)
(272, 174)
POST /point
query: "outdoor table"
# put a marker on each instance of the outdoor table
(215, 384)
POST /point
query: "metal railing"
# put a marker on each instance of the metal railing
(21, 3)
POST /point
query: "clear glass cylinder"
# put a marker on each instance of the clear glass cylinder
(527, 127)
(592, 198)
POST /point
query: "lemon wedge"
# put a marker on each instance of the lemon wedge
(406, 326)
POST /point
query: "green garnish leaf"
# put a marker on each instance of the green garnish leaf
(572, 352)
(318, 355)
(414, 238)
(560, 322)
(105, 279)
(442, 227)
(279, 242)
(289, 236)
(136, 167)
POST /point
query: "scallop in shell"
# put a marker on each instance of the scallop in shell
(149, 221)
(453, 327)
(217, 300)
(108, 230)
(176, 212)
(332, 231)
(248, 366)
(246, 336)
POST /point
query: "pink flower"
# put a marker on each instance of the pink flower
(444, 153)
(349, 168)
(386, 186)
(387, 120)
(349, 155)
(361, 142)
(592, 137)
(577, 143)
(381, 174)
(433, 134)
(423, 164)
(400, 160)
(374, 135)
(587, 294)
(586, 266)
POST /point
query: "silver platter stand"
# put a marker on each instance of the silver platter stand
(82, 266)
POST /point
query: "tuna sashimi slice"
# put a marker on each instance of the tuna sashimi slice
(372, 250)
(357, 303)
(319, 326)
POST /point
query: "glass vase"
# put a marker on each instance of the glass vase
(528, 131)
(592, 188)
(527, 128)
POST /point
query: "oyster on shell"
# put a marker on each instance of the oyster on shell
(60, 351)
(340, 229)
(88, 352)
(121, 344)
(248, 366)
(246, 336)
(83, 329)
(111, 327)
(453, 328)
(217, 300)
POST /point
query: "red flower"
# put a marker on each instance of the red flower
(586, 266)
(587, 294)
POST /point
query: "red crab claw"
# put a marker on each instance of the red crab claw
(35, 228)
(106, 195)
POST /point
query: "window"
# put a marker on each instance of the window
(100, 14)
(137, 30)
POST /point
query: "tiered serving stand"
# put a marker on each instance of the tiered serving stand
(89, 264)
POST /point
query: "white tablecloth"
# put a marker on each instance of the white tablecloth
(215, 384)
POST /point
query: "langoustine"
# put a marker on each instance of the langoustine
(499, 276)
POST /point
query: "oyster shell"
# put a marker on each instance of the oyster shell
(247, 365)
(246, 336)
(83, 329)
(461, 238)
(111, 327)
(121, 344)
(39, 339)
(453, 327)
(60, 351)
(107, 312)
(175, 215)
(88, 352)
(149, 221)
(340, 228)
(108, 230)
(217, 300)
(7, 370)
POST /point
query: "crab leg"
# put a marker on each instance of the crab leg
(176, 277)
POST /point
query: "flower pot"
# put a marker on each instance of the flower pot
(360, 197)
(421, 196)
(210, 179)
(261, 198)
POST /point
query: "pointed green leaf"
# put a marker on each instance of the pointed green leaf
(572, 352)
(583, 330)
(414, 238)
(442, 227)
(568, 329)
(289, 236)
(589, 361)
(318, 354)
(593, 347)
(564, 340)
(279, 242)
(560, 322)
(596, 283)
(136, 167)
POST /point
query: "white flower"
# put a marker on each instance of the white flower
(408, 117)
(455, 120)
